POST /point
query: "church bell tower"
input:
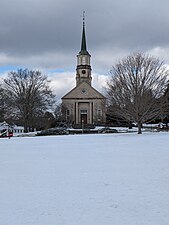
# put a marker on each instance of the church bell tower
(83, 69)
(84, 106)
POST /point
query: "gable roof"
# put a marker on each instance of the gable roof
(77, 92)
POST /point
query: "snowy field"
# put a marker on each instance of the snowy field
(109, 179)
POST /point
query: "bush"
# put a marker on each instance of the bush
(53, 131)
(107, 130)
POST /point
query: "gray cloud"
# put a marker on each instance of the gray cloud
(47, 33)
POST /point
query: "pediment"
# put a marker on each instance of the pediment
(83, 91)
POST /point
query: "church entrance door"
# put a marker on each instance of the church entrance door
(83, 116)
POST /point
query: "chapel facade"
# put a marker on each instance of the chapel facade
(84, 105)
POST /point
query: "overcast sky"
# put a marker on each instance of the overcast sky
(46, 35)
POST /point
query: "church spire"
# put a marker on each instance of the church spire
(83, 43)
(83, 69)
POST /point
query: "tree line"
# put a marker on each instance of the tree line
(137, 91)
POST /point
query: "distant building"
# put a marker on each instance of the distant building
(84, 104)
(16, 130)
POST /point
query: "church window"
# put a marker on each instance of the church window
(99, 112)
(67, 114)
(83, 61)
(83, 111)
(84, 91)
(78, 61)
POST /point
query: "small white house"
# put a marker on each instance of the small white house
(17, 130)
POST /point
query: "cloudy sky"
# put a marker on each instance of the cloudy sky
(46, 35)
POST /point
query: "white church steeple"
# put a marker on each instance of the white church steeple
(83, 70)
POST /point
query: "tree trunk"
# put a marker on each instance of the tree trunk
(139, 127)
(25, 128)
(26, 125)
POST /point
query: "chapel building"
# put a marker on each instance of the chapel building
(84, 105)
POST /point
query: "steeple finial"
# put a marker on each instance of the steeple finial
(83, 43)
(83, 18)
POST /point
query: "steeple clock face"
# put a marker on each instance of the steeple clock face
(84, 74)
(83, 71)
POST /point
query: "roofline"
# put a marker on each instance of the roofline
(64, 97)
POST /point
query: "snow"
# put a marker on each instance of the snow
(103, 179)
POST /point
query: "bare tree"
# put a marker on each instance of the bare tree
(2, 104)
(137, 82)
(28, 94)
(164, 102)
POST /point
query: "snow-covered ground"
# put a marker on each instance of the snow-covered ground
(104, 179)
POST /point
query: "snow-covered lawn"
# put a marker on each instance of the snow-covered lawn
(109, 179)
